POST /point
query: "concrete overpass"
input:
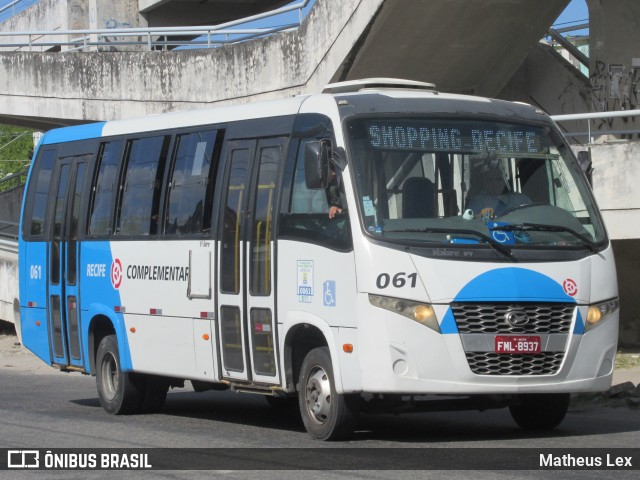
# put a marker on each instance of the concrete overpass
(437, 41)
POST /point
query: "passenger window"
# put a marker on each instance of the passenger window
(142, 186)
(232, 222)
(305, 200)
(192, 183)
(105, 188)
(41, 194)
(261, 235)
(307, 218)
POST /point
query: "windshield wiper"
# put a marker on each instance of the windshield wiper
(496, 246)
(539, 227)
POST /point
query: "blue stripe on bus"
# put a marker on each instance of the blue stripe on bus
(513, 285)
(99, 297)
(510, 285)
(578, 329)
(448, 325)
(71, 134)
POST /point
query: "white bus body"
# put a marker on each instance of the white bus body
(233, 275)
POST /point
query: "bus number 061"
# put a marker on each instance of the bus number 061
(399, 280)
(35, 272)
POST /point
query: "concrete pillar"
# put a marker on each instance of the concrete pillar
(77, 14)
(106, 14)
(615, 61)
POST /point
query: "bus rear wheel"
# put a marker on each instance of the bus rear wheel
(326, 415)
(155, 392)
(538, 412)
(119, 392)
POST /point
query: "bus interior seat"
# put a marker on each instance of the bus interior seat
(417, 198)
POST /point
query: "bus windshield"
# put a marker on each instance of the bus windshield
(437, 181)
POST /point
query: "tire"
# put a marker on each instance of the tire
(538, 412)
(154, 393)
(325, 414)
(120, 393)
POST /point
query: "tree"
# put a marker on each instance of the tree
(16, 149)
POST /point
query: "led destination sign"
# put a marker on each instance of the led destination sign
(461, 136)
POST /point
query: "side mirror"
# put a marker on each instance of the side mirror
(316, 164)
(586, 165)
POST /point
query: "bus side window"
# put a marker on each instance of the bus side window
(105, 188)
(305, 200)
(142, 186)
(39, 195)
(307, 215)
(191, 186)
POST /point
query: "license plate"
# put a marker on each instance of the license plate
(517, 344)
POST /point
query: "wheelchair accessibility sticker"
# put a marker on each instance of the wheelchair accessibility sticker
(329, 293)
(501, 236)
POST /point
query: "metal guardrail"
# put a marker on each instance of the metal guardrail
(569, 47)
(9, 246)
(19, 174)
(156, 38)
(595, 116)
(8, 232)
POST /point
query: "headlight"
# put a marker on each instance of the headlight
(601, 311)
(418, 312)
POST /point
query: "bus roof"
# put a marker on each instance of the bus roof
(387, 101)
(178, 119)
(374, 99)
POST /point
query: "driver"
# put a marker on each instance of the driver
(333, 193)
(490, 195)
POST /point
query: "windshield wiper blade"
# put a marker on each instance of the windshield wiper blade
(540, 227)
(496, 246)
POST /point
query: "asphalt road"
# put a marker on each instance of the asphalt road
(43, 408)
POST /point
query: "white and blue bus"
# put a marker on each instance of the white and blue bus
(464, 256)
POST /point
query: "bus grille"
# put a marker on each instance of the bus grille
(489, 363)
(490, 317)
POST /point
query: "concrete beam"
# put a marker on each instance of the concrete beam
(112, 85)
(462, 46)
(547, 80)
(338, 40)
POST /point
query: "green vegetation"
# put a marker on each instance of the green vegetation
(627, 360)
(16, 147)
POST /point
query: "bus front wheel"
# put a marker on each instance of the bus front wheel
(540, 411)
(326, 415)
(118, 391)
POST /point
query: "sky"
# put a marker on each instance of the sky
(576, 11)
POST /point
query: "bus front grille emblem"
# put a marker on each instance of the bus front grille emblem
(516, 318)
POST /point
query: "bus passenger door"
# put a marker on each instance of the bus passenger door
(245, 262)
(63, 255)
(231, 252)
(261, 324)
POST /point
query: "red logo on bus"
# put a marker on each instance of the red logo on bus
(116, 273)
(570, 287)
